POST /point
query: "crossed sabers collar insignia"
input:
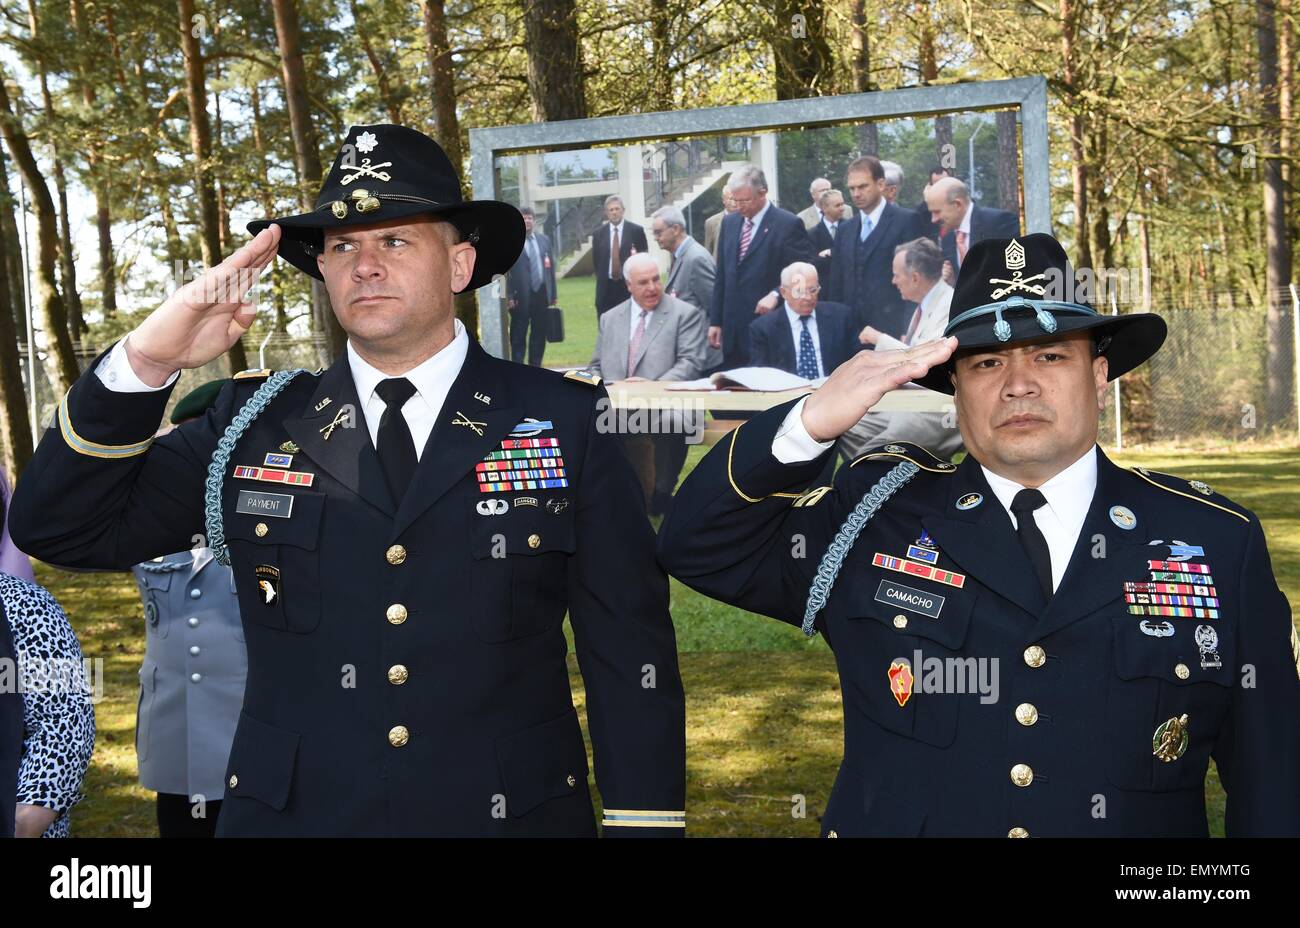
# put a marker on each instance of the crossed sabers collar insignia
(1015, 283)
(366, 169)
(462, 419)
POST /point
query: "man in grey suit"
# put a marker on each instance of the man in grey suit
(691, 270)
(652, 336)
(812, 215)
(192, 677)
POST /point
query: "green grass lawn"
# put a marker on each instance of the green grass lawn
(763, 702)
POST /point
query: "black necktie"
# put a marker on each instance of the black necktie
(1031, 537)
(396, 447)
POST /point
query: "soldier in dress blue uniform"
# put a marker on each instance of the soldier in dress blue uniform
(407, 531)
(1034, 642)
(192, 676)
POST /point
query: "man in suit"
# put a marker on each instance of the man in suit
(893, 179)
(713, 224)
(823, 234)
(803, 336)
(862, 271)
(964, 224)
(613, 242)
(652, 336)
(757, 241)
(530, 290)
(407, 531)
(918, 274)
(812, 214)
(924, 222)
(691, 270)
(1034, 642)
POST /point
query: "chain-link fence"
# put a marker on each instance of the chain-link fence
(1214, 381)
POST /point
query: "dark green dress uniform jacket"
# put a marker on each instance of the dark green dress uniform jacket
(1082, 684)
(409, 677)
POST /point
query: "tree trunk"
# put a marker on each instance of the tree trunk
(103, 214)
(381, 75)
(1078, 128)
(446, 125)
(11, 254)
(288, 35)
(555, 71)
(1277, 273)
(661, 78)
(1008, 161)
(67, 264)
(15, 426)
(196, 99)
(268, 206)
(54, 317)
(868, 136)
(804, 66)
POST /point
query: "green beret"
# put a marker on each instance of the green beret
(197, 401)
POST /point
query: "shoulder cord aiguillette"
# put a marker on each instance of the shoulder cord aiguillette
(212, 522)
(838, 549)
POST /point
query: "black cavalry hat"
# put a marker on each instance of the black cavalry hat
(388, 172)
(1018, 289)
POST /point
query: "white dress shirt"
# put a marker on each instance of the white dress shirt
(934, 319)
(796, 330)
(635, 316)
(757, 221)
(432, 379)
(965, 223)
(1068, 495)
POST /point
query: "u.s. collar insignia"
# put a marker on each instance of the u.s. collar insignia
(1123, 517)
(970, 501)
(900, 681)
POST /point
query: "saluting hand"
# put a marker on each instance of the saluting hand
(201, 320)
(859, 383)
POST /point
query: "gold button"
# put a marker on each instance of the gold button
(397, 674)
(398, 736)
(1022, 775)
(1026, 713)
(570, 780)
(1035, 656)
(260, 530)
(396, 614)
(900, 621)
(1182, 671)
(534, 541)
(1017, 832)
(396, 554)
(234, 781)
(831, 834)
